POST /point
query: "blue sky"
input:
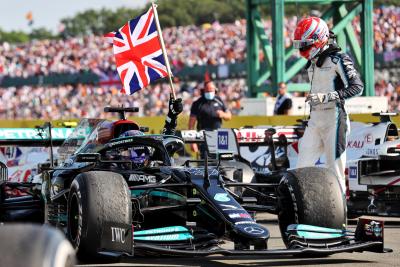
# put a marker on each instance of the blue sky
(47, 13)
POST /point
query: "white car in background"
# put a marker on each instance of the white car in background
(373, 159)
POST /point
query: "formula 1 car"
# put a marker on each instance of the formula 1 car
(115, 195)
(372, 169)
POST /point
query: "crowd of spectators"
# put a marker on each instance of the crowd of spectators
(209, 44)
(387, 84)
(67, 101)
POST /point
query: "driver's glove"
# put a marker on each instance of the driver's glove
(313, 99)
(332, 96)
(316, 99)
(175, 106)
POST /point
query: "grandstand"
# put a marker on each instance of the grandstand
(211, 44)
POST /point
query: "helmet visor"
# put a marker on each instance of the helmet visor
(299, 44)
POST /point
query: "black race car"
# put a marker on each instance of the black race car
(114, 194)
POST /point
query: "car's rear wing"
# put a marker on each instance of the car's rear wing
(257, 134)
(246, 136)
(33, 137)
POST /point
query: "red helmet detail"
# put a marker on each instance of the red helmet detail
(310, 36)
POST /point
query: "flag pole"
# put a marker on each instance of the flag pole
(164, 51)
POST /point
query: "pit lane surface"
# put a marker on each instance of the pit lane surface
(392, 240)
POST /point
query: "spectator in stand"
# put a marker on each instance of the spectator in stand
(76, 101)
(187, 46)
(210, 44)
(283, 103)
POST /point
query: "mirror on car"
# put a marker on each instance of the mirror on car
(88, 157)
(144, 129)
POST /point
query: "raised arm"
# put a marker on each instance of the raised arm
(175, 107)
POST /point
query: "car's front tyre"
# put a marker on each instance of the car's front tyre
(99, 207)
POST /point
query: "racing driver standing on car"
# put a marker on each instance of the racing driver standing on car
(333, 79)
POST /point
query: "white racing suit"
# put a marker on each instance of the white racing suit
(328, 124)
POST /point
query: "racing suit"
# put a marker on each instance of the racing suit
(333, 80)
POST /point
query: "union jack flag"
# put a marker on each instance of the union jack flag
(138, 53)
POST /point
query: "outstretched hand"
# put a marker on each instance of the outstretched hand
(175, 106)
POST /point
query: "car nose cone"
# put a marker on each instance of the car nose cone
(251, 231)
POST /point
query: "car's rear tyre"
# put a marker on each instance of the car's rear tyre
(311, 196)
(95, 200)
(29, 245)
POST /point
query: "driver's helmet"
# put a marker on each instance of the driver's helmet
(139, 155)
(310, 37)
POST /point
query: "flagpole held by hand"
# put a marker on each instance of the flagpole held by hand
(164, 51)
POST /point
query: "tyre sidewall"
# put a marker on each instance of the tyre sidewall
(311, 196)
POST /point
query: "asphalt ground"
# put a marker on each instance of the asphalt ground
(391, 234)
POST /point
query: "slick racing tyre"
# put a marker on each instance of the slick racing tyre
(30, 245)
(311, 196)
(97, 200)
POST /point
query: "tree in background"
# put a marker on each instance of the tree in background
(14, 36)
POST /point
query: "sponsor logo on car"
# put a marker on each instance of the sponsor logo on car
(245, 222)
(222, 197)
(368, 138)
(118, 235)
(134, 177)
(353, 172)
(200, 171)
(254, 230)
(222, 140)
(226, 207)
(372, 152)
(373, 228)
(168, 237)
(239, 215)
(32, 134)
(355, 144)
(192, 135)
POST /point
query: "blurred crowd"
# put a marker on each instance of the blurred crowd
(209, 44)
(68, 101)
(387, 84)
(82, 100)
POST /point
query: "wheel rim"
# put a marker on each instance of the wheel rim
(73, 219)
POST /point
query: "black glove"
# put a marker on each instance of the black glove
(175, 106)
